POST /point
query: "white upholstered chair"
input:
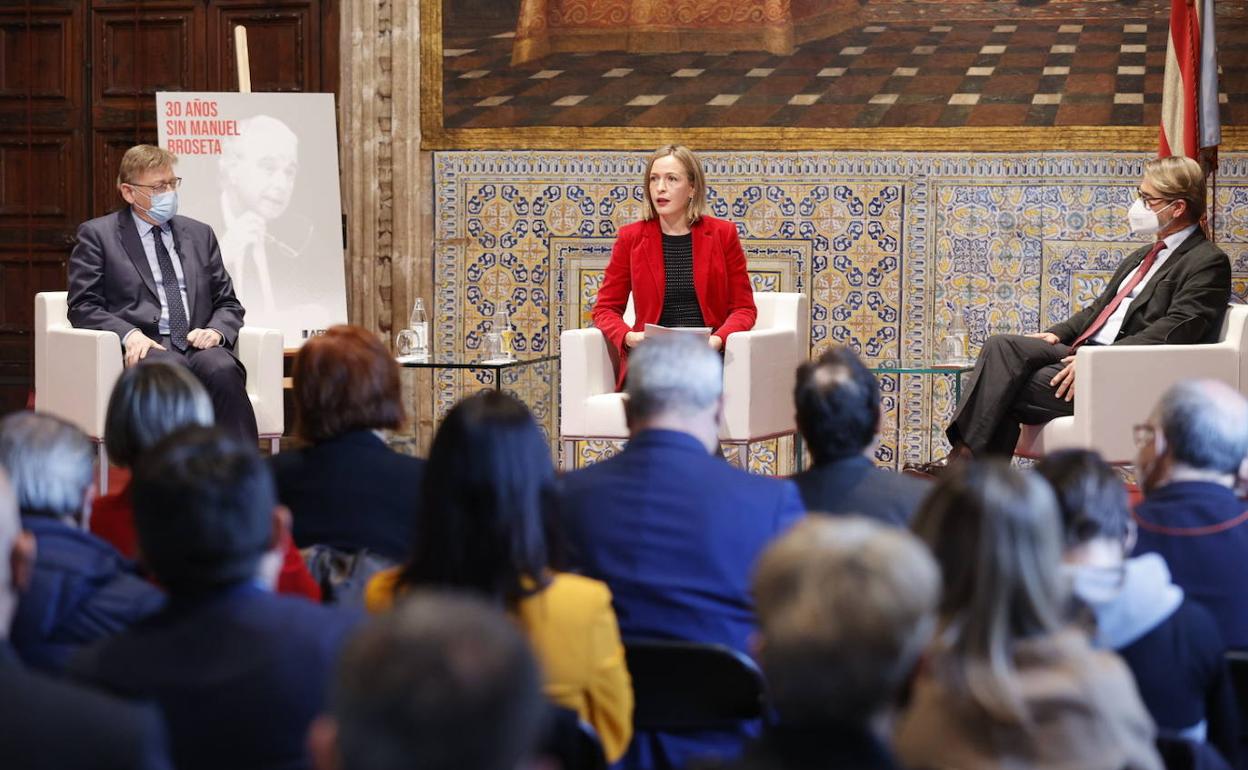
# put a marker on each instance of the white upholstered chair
(1117, 387)
(75, 370)
(759, 370)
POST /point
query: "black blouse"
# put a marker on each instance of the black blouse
(680, 301)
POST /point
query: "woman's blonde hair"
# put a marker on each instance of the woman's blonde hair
(996, 535)
(1178, 177)
(693, 169)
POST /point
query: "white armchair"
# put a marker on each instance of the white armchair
(1117, 387)
(759, 370)
(75, 370)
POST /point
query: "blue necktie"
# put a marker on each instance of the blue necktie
(173, 295)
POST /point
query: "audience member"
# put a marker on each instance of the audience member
(672, 528)
(442, 683)
(484, 527)
(150, 401)
(347, 489)
(238, 671)
(52, 725)
(1190, 453)
(845, 607)
(82, 589)
(838, 414)
(1170, 643)
(1005, 683)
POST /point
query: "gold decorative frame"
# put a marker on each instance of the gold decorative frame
(434, 136)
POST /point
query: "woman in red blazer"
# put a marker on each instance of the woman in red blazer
(682, 267)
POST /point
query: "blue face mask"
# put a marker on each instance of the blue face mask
(164, 206)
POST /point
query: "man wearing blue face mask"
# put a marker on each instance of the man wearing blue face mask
(157, 280)
(1172, 291)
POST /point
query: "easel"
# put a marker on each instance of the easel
(242, 59)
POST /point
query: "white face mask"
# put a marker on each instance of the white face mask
(1142, 220)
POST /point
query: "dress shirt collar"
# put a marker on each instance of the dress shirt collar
(1173, 240)
(143, 226)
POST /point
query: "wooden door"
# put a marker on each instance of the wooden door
(78, 82)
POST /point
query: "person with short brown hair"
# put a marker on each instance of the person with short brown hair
(346, 488)
(156, 280)
(1172, 291)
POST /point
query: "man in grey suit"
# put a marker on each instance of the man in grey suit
(1173, 291)
(166, 297)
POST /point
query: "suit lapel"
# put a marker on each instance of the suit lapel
(190, 276)
(1146, 294)
(134, 248)
(703, 245)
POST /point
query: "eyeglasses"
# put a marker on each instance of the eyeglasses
(1151, 200)
(1143, 435)
(168, 186)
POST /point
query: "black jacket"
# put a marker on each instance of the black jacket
(45, 723)
(351, 492)
(1182, 304)
(856, 485)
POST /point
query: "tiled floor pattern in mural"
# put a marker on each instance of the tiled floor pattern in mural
(1008, 72)
(888, 246)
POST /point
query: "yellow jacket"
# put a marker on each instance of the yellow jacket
(572, 629)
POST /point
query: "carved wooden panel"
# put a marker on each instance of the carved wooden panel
(283, 42)
(36, 179)
(36, 59)
(138, 51)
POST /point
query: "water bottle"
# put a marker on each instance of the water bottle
(414, 340)
(502, 325)
(955, 346)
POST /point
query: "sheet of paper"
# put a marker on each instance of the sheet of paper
(654, 330)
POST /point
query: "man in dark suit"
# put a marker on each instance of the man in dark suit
(1173, 291)
(81, 590)
(672, 528)
(838, 414)
(1191, 451)
(239, 671)
(166, 297)
(45, 723)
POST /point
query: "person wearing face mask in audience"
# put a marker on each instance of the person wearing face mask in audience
(157, 280)
(1171, 291)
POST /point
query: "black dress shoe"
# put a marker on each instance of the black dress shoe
(935, 469)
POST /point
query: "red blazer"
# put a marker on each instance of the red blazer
(719, 279)
(112, 519)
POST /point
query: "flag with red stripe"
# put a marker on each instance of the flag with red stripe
(1189, 101)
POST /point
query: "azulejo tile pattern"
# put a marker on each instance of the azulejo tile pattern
(889, 246)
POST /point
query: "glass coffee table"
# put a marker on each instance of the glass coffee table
(906, 366)
(502, 371)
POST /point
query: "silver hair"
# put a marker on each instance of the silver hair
(1205, 423)
(673, 374)
(49, 462)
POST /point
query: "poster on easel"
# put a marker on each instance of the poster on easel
(262, 170)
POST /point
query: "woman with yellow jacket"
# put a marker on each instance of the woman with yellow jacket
(483, 527)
